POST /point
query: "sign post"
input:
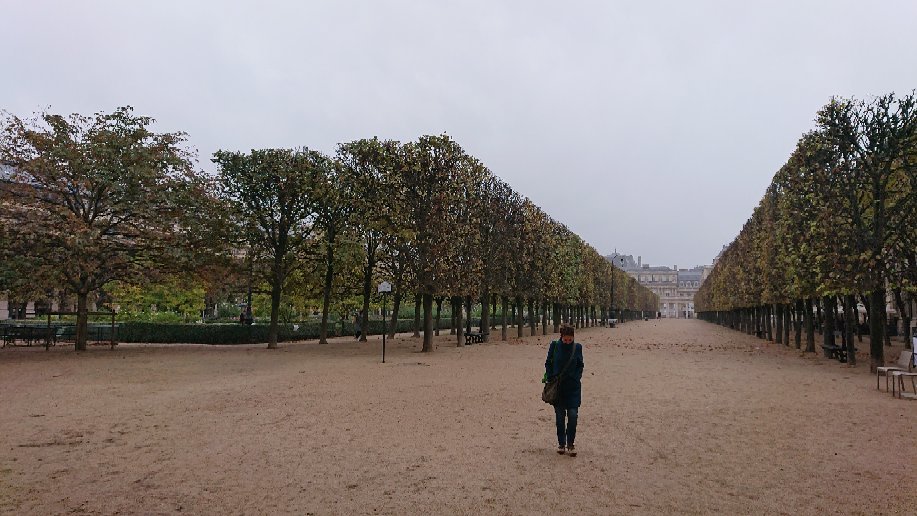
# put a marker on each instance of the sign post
(385, 288)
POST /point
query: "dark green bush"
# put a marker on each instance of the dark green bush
(211, 333)
(234, 333)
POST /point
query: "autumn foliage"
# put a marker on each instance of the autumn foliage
(88, 201)
(837, 226)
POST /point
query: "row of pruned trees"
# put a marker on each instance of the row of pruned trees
(837, 225)
(91, 200)
(429, 218)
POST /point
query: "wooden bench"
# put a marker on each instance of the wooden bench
(830, 351)
(836, 352)
(474, 337)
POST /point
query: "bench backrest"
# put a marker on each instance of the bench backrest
(904, 360)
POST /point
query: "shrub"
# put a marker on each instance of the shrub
(232, 333)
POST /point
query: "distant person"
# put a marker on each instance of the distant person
(566, 411)
(357, 327)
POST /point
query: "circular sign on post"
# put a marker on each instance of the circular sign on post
(384, 288)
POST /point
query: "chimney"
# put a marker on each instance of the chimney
(639, 261)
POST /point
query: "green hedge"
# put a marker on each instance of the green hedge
(208, 333)
(229, 333)
(237, 333)
(234, 333)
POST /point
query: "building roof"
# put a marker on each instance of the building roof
(622, 261)
(691, 275)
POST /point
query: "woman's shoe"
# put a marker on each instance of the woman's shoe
(571, 450)
(560, 449)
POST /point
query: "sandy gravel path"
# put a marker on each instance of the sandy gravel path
(678, 417)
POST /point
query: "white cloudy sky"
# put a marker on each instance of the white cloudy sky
(649, 127)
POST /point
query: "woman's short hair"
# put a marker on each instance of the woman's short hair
(566, 329)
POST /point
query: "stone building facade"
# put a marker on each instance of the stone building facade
(675, 287)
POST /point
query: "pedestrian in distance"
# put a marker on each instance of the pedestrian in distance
(357, 329)
(566, 409)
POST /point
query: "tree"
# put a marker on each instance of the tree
(272, 192)
(429, 175)
(369, 183)
(333, 212)
(880, 137)
(90, 200)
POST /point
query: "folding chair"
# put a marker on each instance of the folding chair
(904, 360)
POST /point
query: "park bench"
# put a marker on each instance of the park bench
(58, 334)
(25, 334)
(836, 352)
(474, 337)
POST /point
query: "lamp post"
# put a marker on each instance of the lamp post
(612, 307)
(385, 288)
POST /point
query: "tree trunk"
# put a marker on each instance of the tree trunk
(556, 317)
(759, 322)
(326, 297)
(819, 320)
(778, 322)
(418, 301)
(82, 320)
(503, 317)
(275, 312)
(876, 328)
(798, 323)
(494, 311)
(396, 308)
(533, 319)
(905, 313)
(544, 317)
(367, 292)
(453, 310)
(787, 323)
(460, 334)
(810, 326)
(439, 309)
(468, 318)
(427, 323)
(829, 303)
(519, 324)
(485, 316)
(850, 321)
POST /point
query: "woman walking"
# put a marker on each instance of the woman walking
(566, 410)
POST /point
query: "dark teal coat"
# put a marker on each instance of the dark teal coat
(571, 389)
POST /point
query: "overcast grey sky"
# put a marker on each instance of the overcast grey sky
(652, 128)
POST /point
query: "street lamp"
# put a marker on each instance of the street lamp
(385, 288)
(612, 307)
